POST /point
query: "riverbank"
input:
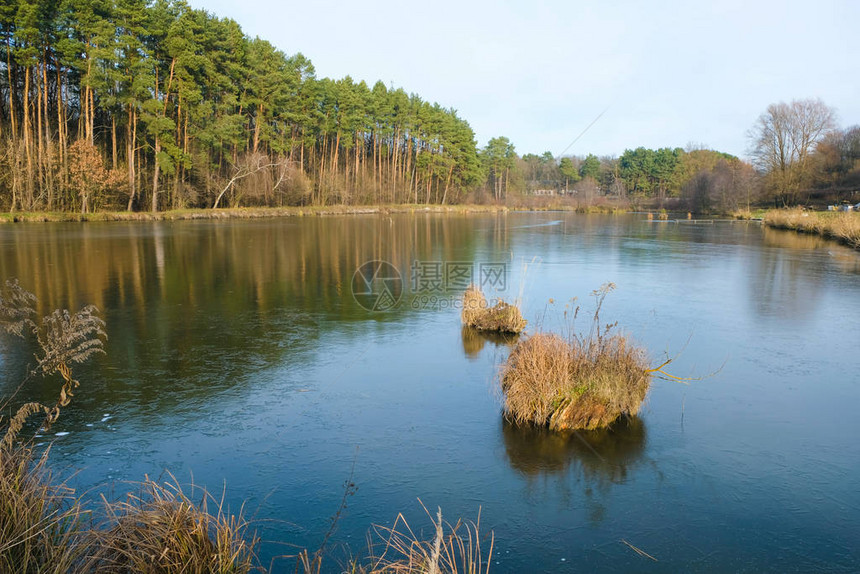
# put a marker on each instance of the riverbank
(840, 226)
(305, 211)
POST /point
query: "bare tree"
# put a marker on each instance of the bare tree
(783, 139)
(729, 186)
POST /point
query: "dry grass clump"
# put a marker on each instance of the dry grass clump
(454, 549)
(39, 520)
(161, 530)
(501, 317)
(584, 382)
(843, 226)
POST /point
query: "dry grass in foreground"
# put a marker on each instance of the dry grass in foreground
(583, 382)
(841, 226)
(454, 549)
(39, 519)
(161, 529)
(42, 526)
(500, 318)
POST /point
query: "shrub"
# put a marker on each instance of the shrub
(583, 382)
(500, 318)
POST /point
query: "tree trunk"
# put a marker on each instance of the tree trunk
(155, 173)
(27, 142)
(130, 153)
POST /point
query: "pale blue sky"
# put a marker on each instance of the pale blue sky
(671, 73)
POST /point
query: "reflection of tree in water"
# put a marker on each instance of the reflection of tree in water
(474, 340)
(842, 257)
(786, 281)
(196, 308)
(595, 459)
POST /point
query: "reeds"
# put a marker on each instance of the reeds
(500, 318)
(586, 381)
(841, 226)
(40, 520)
(160, 529)
(454, 548)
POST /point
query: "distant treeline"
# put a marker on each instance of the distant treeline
(706, 180)
(152, 105)
(799, 154)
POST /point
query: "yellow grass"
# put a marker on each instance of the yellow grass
(160, 529)
(584, 382)
(548, 380)
(500, 318)
(296, 211)
(454, 549)
(39, 519)
(841, 226)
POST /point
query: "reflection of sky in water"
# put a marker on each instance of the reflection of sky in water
(237, 354)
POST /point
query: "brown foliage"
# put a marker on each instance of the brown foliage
(584, 382)
(501, 318)
(88, 175)
(842, 226)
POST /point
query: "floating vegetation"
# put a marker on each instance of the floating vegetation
(500, 318)
(586, 381)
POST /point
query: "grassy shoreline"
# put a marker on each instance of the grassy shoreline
(843, 227)
(270, 212)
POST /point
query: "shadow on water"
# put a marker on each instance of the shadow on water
(474, 341)
(604, 455)
(583, 466)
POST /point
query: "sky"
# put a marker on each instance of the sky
(666, 73)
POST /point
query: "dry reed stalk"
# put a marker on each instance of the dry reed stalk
(40, 521)
(454, 549)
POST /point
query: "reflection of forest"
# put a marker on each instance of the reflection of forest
(268, 263)
(602, 456)
(205, 303)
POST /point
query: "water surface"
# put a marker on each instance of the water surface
(237, 355)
